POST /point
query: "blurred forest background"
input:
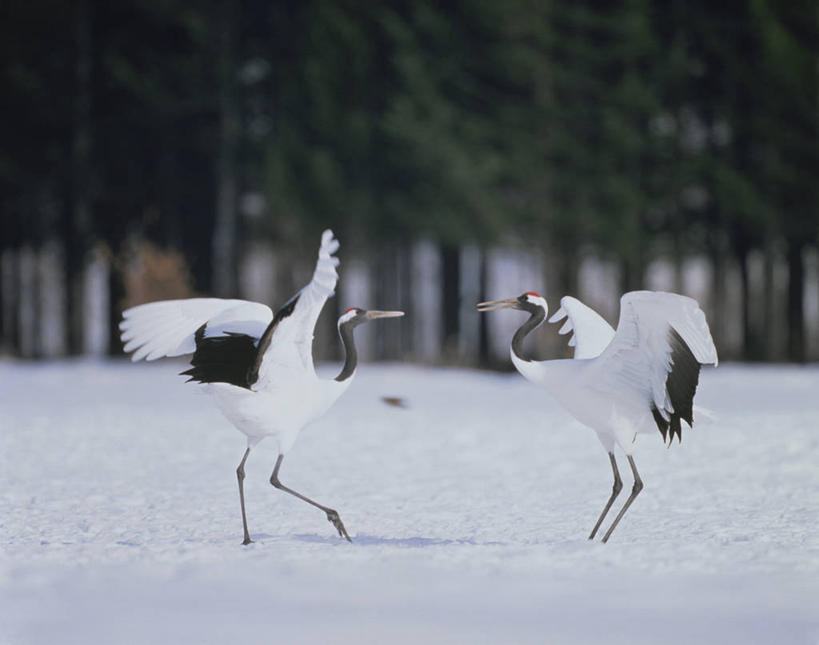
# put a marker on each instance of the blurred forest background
(460, 151)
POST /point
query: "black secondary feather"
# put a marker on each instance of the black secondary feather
(222, 359)
(233, 358)
(681, 385)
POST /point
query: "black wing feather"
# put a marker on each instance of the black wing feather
(681, 385)
(222, 359)
(233, 358)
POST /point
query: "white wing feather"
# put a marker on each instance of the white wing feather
(291, 344)
(592, 334)
(167, 328)
(638, 359)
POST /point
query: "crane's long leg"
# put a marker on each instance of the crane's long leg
(332, 515)
(615, 491)
(638, 486)
(240, 475)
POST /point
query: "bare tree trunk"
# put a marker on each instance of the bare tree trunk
(769, 322)
(748, 345)
(51, 320)
(483, 330)
(79, 219)
(224, 230)
(10, 276)
(116, 301)
(569, 271)
(424, 317)
(630, 275)
(560, 276)
(716, 253)
(4, 302)
(450, 297)
(405, 274)
(634, 269)
(27, 304)
(678, 260)
(796, 308)
(388, 341)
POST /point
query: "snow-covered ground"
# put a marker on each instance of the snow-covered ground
(468, 508)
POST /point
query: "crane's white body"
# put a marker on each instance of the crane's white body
(616, 376)
(258, 366)
(279, 411)
(287, 394)
(567, 381)
(620, 383)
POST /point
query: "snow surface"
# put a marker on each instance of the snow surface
(468, 508)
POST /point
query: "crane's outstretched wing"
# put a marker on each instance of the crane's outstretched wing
(661, 341)
(592, 334)
(287, 343)
(234, 341)
(169, 327)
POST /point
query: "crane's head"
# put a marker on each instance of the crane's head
(530, 301)
(354, 316)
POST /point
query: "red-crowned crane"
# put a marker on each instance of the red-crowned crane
(258, 366)
(641, 377)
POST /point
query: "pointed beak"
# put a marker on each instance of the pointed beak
(492, 305)
(372, 315)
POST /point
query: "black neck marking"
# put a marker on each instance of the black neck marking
(535, 319)
(345, 330)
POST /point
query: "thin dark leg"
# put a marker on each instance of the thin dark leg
(638, 486)
(332, 515)
(615, 491)
(240, 475)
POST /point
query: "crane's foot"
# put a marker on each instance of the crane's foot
(247, 540)
(332, 516)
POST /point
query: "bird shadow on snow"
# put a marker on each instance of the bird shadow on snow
(375, 540)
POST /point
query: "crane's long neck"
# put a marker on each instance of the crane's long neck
(345, 330)
(536, 318)
(554, 375)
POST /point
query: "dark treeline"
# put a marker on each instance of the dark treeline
(159, 130)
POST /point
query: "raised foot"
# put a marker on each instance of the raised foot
(332, 516)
